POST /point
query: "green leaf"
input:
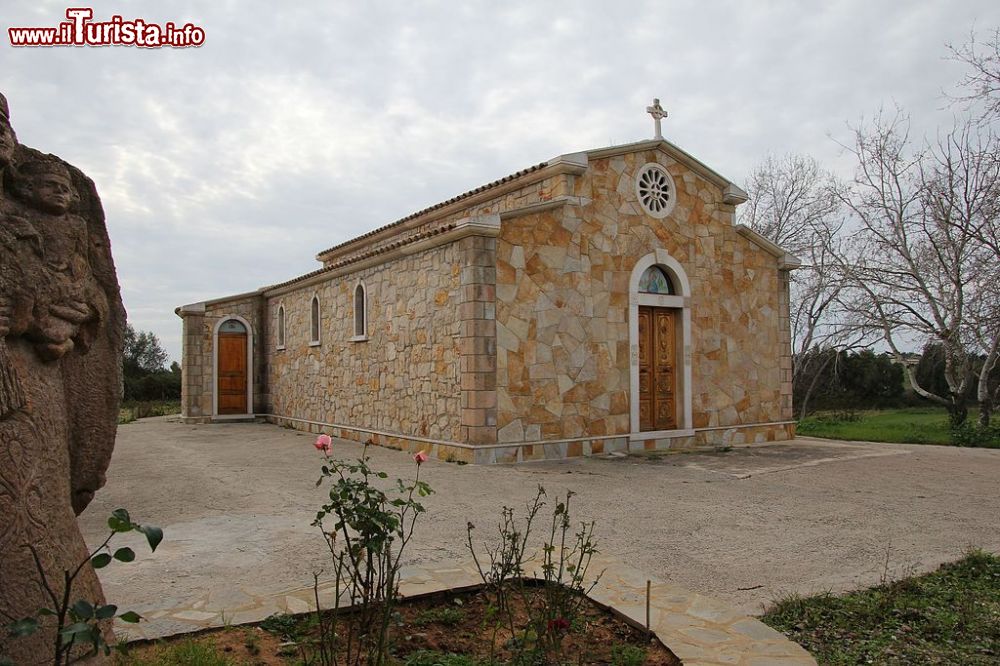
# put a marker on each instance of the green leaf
(23, 627)
(124, 555)
(105, 612)
(46, 611)
(154, 535)
(75, 629)
(83, 610)
(130, 616)
(120, 521)
(100, 560)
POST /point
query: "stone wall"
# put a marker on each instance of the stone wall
(479, 348)
(405, 378)
(198, 361)
(563, 367)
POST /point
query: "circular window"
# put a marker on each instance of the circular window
(655, 189)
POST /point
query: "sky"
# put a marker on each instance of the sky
(297, 126)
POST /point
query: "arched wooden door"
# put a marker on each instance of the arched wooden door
(232, 369)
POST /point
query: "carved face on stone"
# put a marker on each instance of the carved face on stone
(8, 141)
(46, 186)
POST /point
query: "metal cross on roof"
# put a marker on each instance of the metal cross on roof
(658, 114)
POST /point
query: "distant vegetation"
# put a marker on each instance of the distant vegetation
(144, 369)
(861, 395)
(912, 425)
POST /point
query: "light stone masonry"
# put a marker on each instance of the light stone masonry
(499, 321)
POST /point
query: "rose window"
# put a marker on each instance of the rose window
(656, 190)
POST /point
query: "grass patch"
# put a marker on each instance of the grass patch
(915, 425)
(627, 655)
(188, 652)
(949, 616)
(130, 411)
(445, 615)
(288, 627)
(435, 658)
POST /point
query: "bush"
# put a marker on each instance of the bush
(974, 435)
(130, 411)
(161, 385)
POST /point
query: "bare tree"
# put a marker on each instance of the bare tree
(962, 190)
(982, 81)
(913, 267)
(792, 203)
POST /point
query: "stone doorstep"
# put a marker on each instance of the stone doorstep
(698, 629)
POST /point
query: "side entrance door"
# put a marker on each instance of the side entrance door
(232, 388)
(657, 368)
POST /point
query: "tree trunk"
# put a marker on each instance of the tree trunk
(983, 389)
(812, 385)
(958, 412)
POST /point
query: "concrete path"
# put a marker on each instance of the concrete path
(744, 526)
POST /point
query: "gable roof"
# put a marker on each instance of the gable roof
(732, 194)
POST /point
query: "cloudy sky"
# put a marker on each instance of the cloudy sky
(227, 167)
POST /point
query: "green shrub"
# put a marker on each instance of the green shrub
(975, 435)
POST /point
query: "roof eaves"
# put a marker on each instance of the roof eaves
(437, 206)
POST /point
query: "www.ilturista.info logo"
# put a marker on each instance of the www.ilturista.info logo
(80, 30)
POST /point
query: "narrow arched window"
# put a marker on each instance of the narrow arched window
(281, 327)
(656, 281)
(360, 314)
(314, 321)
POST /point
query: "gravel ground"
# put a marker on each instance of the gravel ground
(745, 526)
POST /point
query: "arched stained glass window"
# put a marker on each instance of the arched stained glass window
(360, 316)
(281, 325)
(655, 281)
(232, 326)
(314, 320)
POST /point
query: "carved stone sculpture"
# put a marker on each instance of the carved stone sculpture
(61, 332)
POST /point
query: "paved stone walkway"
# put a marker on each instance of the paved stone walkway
(700, 630)
(745, 526)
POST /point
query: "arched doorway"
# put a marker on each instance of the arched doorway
(660, 339)
(232, 368)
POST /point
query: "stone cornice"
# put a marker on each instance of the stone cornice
(198, 309)
(786, 260)
(573, 164)
(480, 225)
(731, 193)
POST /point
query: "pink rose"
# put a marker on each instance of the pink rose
(324, 444)
(421, 457)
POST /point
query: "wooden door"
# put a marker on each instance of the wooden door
(233, 373)
(657, 369)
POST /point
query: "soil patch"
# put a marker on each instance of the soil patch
(454, 629)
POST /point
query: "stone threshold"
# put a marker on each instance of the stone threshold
(700, 630)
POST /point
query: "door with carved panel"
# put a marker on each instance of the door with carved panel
(657, 369)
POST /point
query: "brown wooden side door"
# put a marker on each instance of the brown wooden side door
(233, 373)
(657, 369)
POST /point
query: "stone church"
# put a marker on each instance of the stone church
(600, 301)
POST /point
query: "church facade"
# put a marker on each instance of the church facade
(600, 301)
